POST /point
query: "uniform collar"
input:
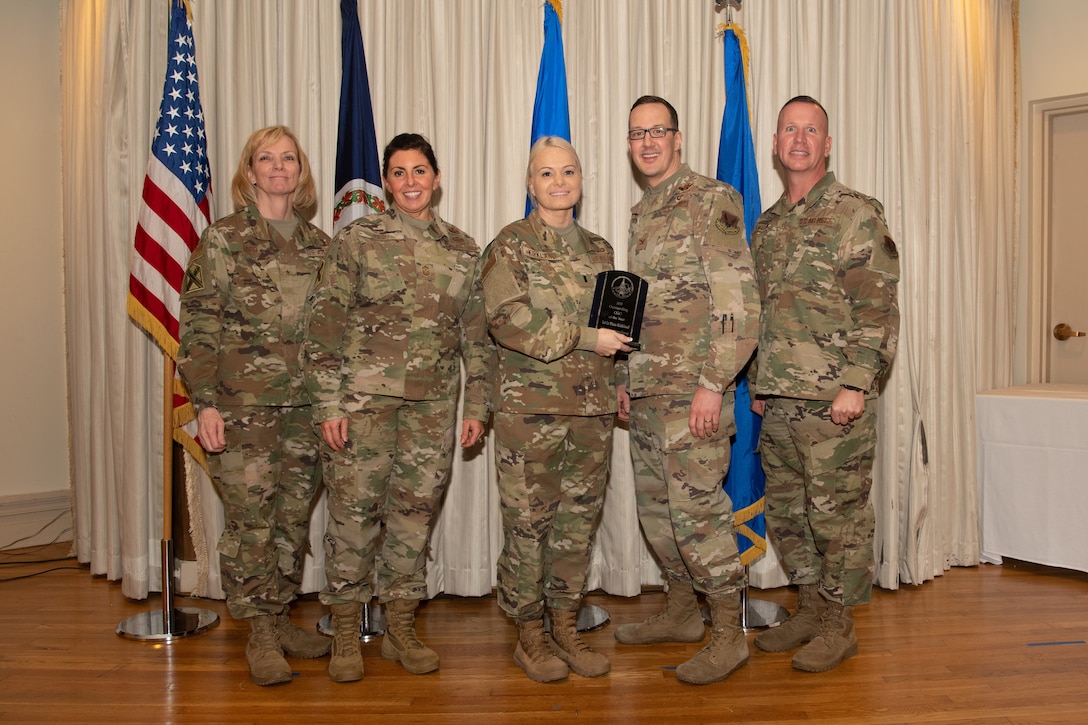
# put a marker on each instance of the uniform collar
(666, 188)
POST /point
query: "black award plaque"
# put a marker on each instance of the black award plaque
(618, 303)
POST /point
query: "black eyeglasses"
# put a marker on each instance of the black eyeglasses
(637, 134)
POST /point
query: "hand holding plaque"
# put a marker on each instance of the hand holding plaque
(618, 303)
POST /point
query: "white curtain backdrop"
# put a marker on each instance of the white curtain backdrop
(922, 97)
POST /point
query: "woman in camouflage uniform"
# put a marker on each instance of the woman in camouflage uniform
(243, 310)
(554, 411)
(395, 313)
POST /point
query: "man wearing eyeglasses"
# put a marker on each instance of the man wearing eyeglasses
(699, 331)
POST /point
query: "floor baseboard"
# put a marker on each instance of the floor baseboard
(35, 519)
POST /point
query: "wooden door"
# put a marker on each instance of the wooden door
(1067, 297)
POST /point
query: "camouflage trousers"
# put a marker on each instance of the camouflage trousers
(266, 478)
(390, 479)
(819, 475)
(552, 475)
(684, 511)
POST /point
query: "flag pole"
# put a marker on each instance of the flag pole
(176, 201)
(358, 182)
(744, 482)
(551, 117)
(168, 623)
(167, 544)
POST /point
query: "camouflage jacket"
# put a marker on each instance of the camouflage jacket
(827, 270)
(243, 312)
(394, 316)
(538, 293)
(687, 241)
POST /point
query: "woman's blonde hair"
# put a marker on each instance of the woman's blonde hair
(542, 143)
(242, 191)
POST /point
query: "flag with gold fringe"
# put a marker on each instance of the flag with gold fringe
(358, 175)
(551, 109)
(745, 481)
(176, 208)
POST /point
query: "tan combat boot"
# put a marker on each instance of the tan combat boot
(679, 622)
(728, 647)
(835, 641)
(266, 663)
(346, 663)
(296, 642)
(534, 655)
(400, 643)
(567, 643)
(799, 628)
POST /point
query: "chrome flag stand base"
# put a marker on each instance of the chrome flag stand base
(169, 623)
(590, 618)
(372, 625)
(754, 613)
(759, 613)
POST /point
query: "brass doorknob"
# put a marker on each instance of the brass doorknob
(1063, 331)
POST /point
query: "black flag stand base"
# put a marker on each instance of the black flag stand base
(169, 623)
(754, 613)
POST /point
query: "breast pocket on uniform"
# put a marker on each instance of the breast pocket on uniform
(452, 278)
(384, 279)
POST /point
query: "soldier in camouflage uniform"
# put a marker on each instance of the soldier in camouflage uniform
(243, 312)
(396, 311)
(555, 410)
(827, 270)
(699, 331)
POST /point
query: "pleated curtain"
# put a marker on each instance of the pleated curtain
(922, 97)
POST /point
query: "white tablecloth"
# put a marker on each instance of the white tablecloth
(1033, 474)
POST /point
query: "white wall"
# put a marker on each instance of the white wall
(34, 462)
(33, 392)
(1052, 63)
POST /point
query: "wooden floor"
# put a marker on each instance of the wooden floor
(978, 645)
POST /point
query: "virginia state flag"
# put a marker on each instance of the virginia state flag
(551, 111)
(737, 167)
(358, 173)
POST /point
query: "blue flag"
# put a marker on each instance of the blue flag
(551, 111)
(358, 173)
(737, 167)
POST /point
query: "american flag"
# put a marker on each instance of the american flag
(175, 209)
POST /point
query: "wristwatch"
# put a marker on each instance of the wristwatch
(854, 388)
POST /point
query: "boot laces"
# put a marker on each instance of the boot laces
(829, 624)
(535, 644)
(401, 626)
(346, 636)
(264, 633)
(572, 642)
(346, 643)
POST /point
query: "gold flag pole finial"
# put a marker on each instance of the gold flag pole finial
(558, 5)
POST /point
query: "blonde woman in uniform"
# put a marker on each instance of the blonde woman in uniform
(243, 312)
(555, 411)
